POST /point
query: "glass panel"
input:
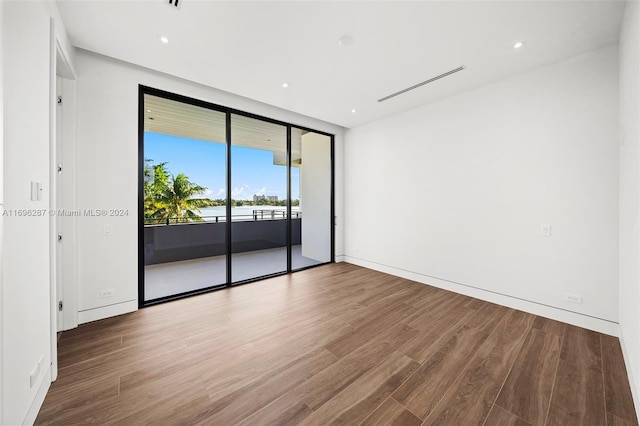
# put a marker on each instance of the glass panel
(184, 198)
(259, 197)
(311, 198)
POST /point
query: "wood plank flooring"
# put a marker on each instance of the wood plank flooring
(338, 344)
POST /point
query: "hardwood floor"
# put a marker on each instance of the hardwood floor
(338, 344)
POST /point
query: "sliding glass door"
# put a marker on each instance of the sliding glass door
(184, 175)
(258, 198)
(227, 197)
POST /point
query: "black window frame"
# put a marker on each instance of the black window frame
(146, 90)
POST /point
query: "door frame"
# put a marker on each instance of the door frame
(61, 289)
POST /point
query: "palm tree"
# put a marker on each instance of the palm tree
(156, 179)
(178, 199)
(171, 197)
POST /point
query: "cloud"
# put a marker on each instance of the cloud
(237, 192)
(262, 191)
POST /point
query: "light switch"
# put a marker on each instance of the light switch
(107, 230)
(34, 191)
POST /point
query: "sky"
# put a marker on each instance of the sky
(253, 171)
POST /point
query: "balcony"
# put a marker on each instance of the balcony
(187, 256)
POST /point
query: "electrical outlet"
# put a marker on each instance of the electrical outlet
(545, 230)
(35, 373)
(107, 292)
(33, 377)
(573, 298)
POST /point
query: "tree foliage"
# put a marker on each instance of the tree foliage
(169, 197)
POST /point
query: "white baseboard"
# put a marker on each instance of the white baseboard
(107, 311)
(585, 321)
(630, 374)
(339, 258)
(32, 414)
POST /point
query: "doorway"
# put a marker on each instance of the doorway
(62, 196)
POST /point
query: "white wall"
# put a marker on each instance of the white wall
(630, 194)
(107, 172)
(315, 173)
(461, 187)
(1, 207)
(26, 314)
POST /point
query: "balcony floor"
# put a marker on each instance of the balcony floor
(167, 279)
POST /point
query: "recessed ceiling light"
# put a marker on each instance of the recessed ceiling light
(353, 111)
(345, 40)
(518, 45)
(148, 110)
(285, 85)
(164, 39)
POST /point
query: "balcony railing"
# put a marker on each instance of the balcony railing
(255, 216)
(193, 240)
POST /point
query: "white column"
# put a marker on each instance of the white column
(315, 190)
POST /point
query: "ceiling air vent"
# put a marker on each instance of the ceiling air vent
(415, 86)
(174, 3)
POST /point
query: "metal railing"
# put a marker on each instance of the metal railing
(257, 215)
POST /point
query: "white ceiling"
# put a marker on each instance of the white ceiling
(251, 48)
